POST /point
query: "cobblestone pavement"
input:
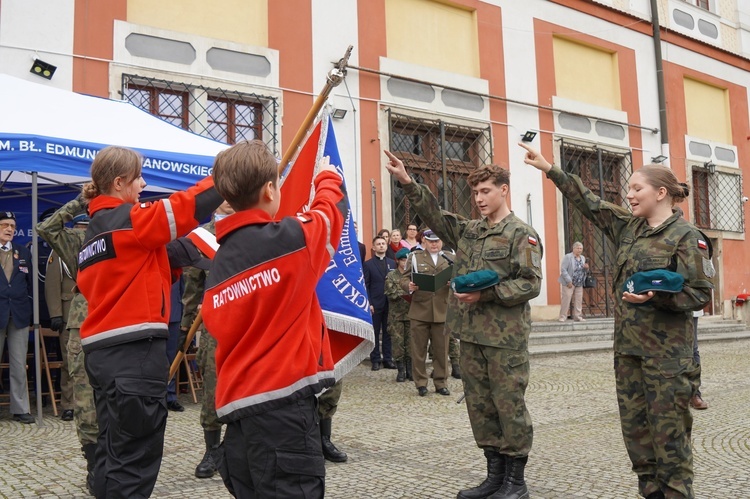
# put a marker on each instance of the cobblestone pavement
(404, 446)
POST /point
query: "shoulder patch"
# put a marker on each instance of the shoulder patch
(702, 244)
(532, 240)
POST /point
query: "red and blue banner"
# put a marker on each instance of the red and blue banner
(341, 291)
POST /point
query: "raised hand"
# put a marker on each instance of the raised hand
(396, 168)
(535, 158)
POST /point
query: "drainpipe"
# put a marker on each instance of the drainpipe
(660, 81)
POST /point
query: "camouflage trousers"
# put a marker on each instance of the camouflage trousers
(400, 338)
(84, 409)
(453, 350)
(328, 401)
(206, 357)
(654, 396)
(495, 381)
(66, 383)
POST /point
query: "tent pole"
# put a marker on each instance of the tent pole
(35, 294)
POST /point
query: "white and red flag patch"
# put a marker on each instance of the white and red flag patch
(532, 240)
(702, 244)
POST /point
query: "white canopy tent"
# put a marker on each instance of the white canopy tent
(56, 133)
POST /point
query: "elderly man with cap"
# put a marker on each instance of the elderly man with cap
(427, 313)
(59, 291)
(15, 313)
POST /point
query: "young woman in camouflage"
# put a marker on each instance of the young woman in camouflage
(655, 373)
(67, 243)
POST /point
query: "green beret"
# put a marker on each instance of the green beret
(654, 280)
(402, 253)
(474, 281)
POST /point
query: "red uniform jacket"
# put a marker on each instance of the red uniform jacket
(260, 304)
(123, 267)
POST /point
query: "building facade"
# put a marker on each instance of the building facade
(448, 86)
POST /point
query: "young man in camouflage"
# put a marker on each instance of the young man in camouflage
(398, 320)
(493, 324)
(67, 243)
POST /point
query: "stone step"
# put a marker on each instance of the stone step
(552, 349)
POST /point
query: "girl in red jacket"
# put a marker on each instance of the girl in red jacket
(125, 275)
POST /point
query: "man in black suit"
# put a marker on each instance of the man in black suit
(16, 282)
(375, 269)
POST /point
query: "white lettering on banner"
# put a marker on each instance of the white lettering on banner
(71, 151)
(178, 167)
(5, 145)
(359, 300)
(245, 286)
(27, 145)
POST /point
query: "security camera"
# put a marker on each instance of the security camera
(744, 199)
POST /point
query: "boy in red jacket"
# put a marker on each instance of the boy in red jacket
(272, 354)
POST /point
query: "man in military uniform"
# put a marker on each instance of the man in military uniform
(59, 291)
(493, 324)
(191, 299)
(427, 314)
(398, 320)
(67, 244)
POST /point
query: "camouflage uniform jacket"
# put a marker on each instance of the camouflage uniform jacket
(661, 327)
(398, 307)
(502, 317)
(67, 243)
(195, 280)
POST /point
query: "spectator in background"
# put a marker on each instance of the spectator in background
(572, 274)
(394, 244)
(15, 314)
(362, 247)
(410, 239)
(375, 269)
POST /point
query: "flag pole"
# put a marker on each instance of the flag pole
(335, 76)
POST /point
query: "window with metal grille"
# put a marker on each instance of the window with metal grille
(440, 155)
(606, 174)
(222, 115)
(717, 200)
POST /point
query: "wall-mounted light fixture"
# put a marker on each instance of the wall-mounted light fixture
(710, 166)
(528, 136)
(659, 159)
(43, 69)
(338, 114)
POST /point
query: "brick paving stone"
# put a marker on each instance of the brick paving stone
(403, 446)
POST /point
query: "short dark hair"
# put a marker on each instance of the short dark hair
(378, 237)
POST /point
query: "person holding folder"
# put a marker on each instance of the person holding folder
(431, 269)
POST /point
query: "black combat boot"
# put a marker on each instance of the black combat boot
(455, 371)
(401, 376)
(207, 467)
(330, 452)
(494, 480)
(514, 487)
(407, 366)
(89, 452)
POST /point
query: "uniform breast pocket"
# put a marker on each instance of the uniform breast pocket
(496, 253)
(653, 263)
